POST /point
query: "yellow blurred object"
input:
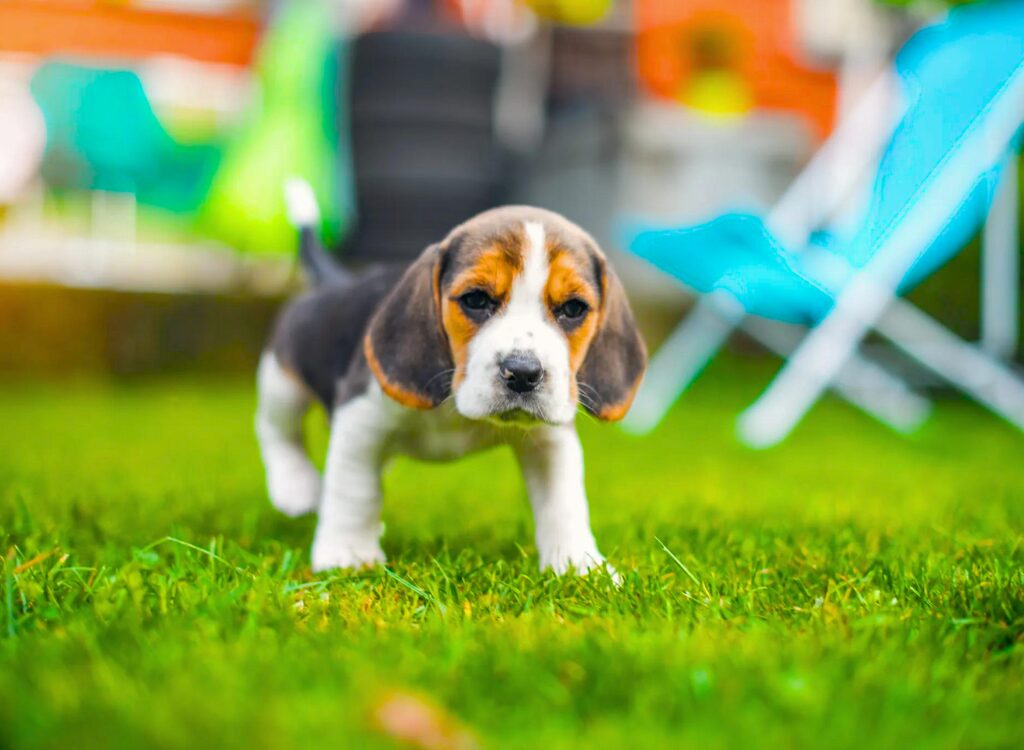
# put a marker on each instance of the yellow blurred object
(745, 48)
(723, 93)
(572, 12)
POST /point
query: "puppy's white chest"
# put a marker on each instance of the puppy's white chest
(374, 424)
(440, 435)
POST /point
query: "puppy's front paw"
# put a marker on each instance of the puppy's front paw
(581, 559)
(294, 489)
(349, 552)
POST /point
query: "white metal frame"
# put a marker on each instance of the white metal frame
(870, 300)
(821, 362)
(1000, 269)
(838, 169)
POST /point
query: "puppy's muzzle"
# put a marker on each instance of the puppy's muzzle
(521, 371)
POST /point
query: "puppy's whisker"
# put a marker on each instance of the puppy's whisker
(586, 410)
(443, 374)
(589, 399)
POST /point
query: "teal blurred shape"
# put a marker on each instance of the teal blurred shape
(102, 134)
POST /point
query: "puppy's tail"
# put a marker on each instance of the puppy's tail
(304, 214)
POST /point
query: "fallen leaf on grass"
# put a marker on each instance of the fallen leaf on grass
(418, 722)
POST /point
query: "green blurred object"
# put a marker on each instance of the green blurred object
(102, 134)
(291, 130)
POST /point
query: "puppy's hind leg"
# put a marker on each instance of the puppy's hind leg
(292, 480)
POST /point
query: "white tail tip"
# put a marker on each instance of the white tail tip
(300, 202)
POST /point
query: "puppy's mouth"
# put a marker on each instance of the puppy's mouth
(518, 417)
(523, 411)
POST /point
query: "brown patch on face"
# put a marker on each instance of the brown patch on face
(493, 271)
(568, 278)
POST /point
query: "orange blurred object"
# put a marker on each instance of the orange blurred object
(88, 28)
(416, 721)
(730, 56)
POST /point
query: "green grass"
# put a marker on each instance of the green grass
(849, 589)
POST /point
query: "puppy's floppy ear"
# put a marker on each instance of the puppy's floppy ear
(617, 358)
(405, 344)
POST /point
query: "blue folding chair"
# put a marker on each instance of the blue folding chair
(962, 86)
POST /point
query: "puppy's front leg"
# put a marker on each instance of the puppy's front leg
(348, 530)
(552, 463)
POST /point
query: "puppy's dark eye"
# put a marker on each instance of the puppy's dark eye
(477, 301)
(573, 309)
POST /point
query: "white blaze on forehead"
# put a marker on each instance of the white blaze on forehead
(525, 313)
(534, 276)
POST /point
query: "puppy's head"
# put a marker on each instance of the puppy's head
(517, 316)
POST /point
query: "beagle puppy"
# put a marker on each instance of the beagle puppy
(498, 334)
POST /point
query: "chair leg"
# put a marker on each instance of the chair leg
(817, 361)
(681, 358)
(977, 373)
(1000, 261)
(686, 352)
(885, 397)
(863, 383)
(814, 364)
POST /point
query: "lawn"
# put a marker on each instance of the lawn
(851, 588)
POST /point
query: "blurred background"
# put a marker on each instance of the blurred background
(143, 144)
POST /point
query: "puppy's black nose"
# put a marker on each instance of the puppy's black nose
(521, 371)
